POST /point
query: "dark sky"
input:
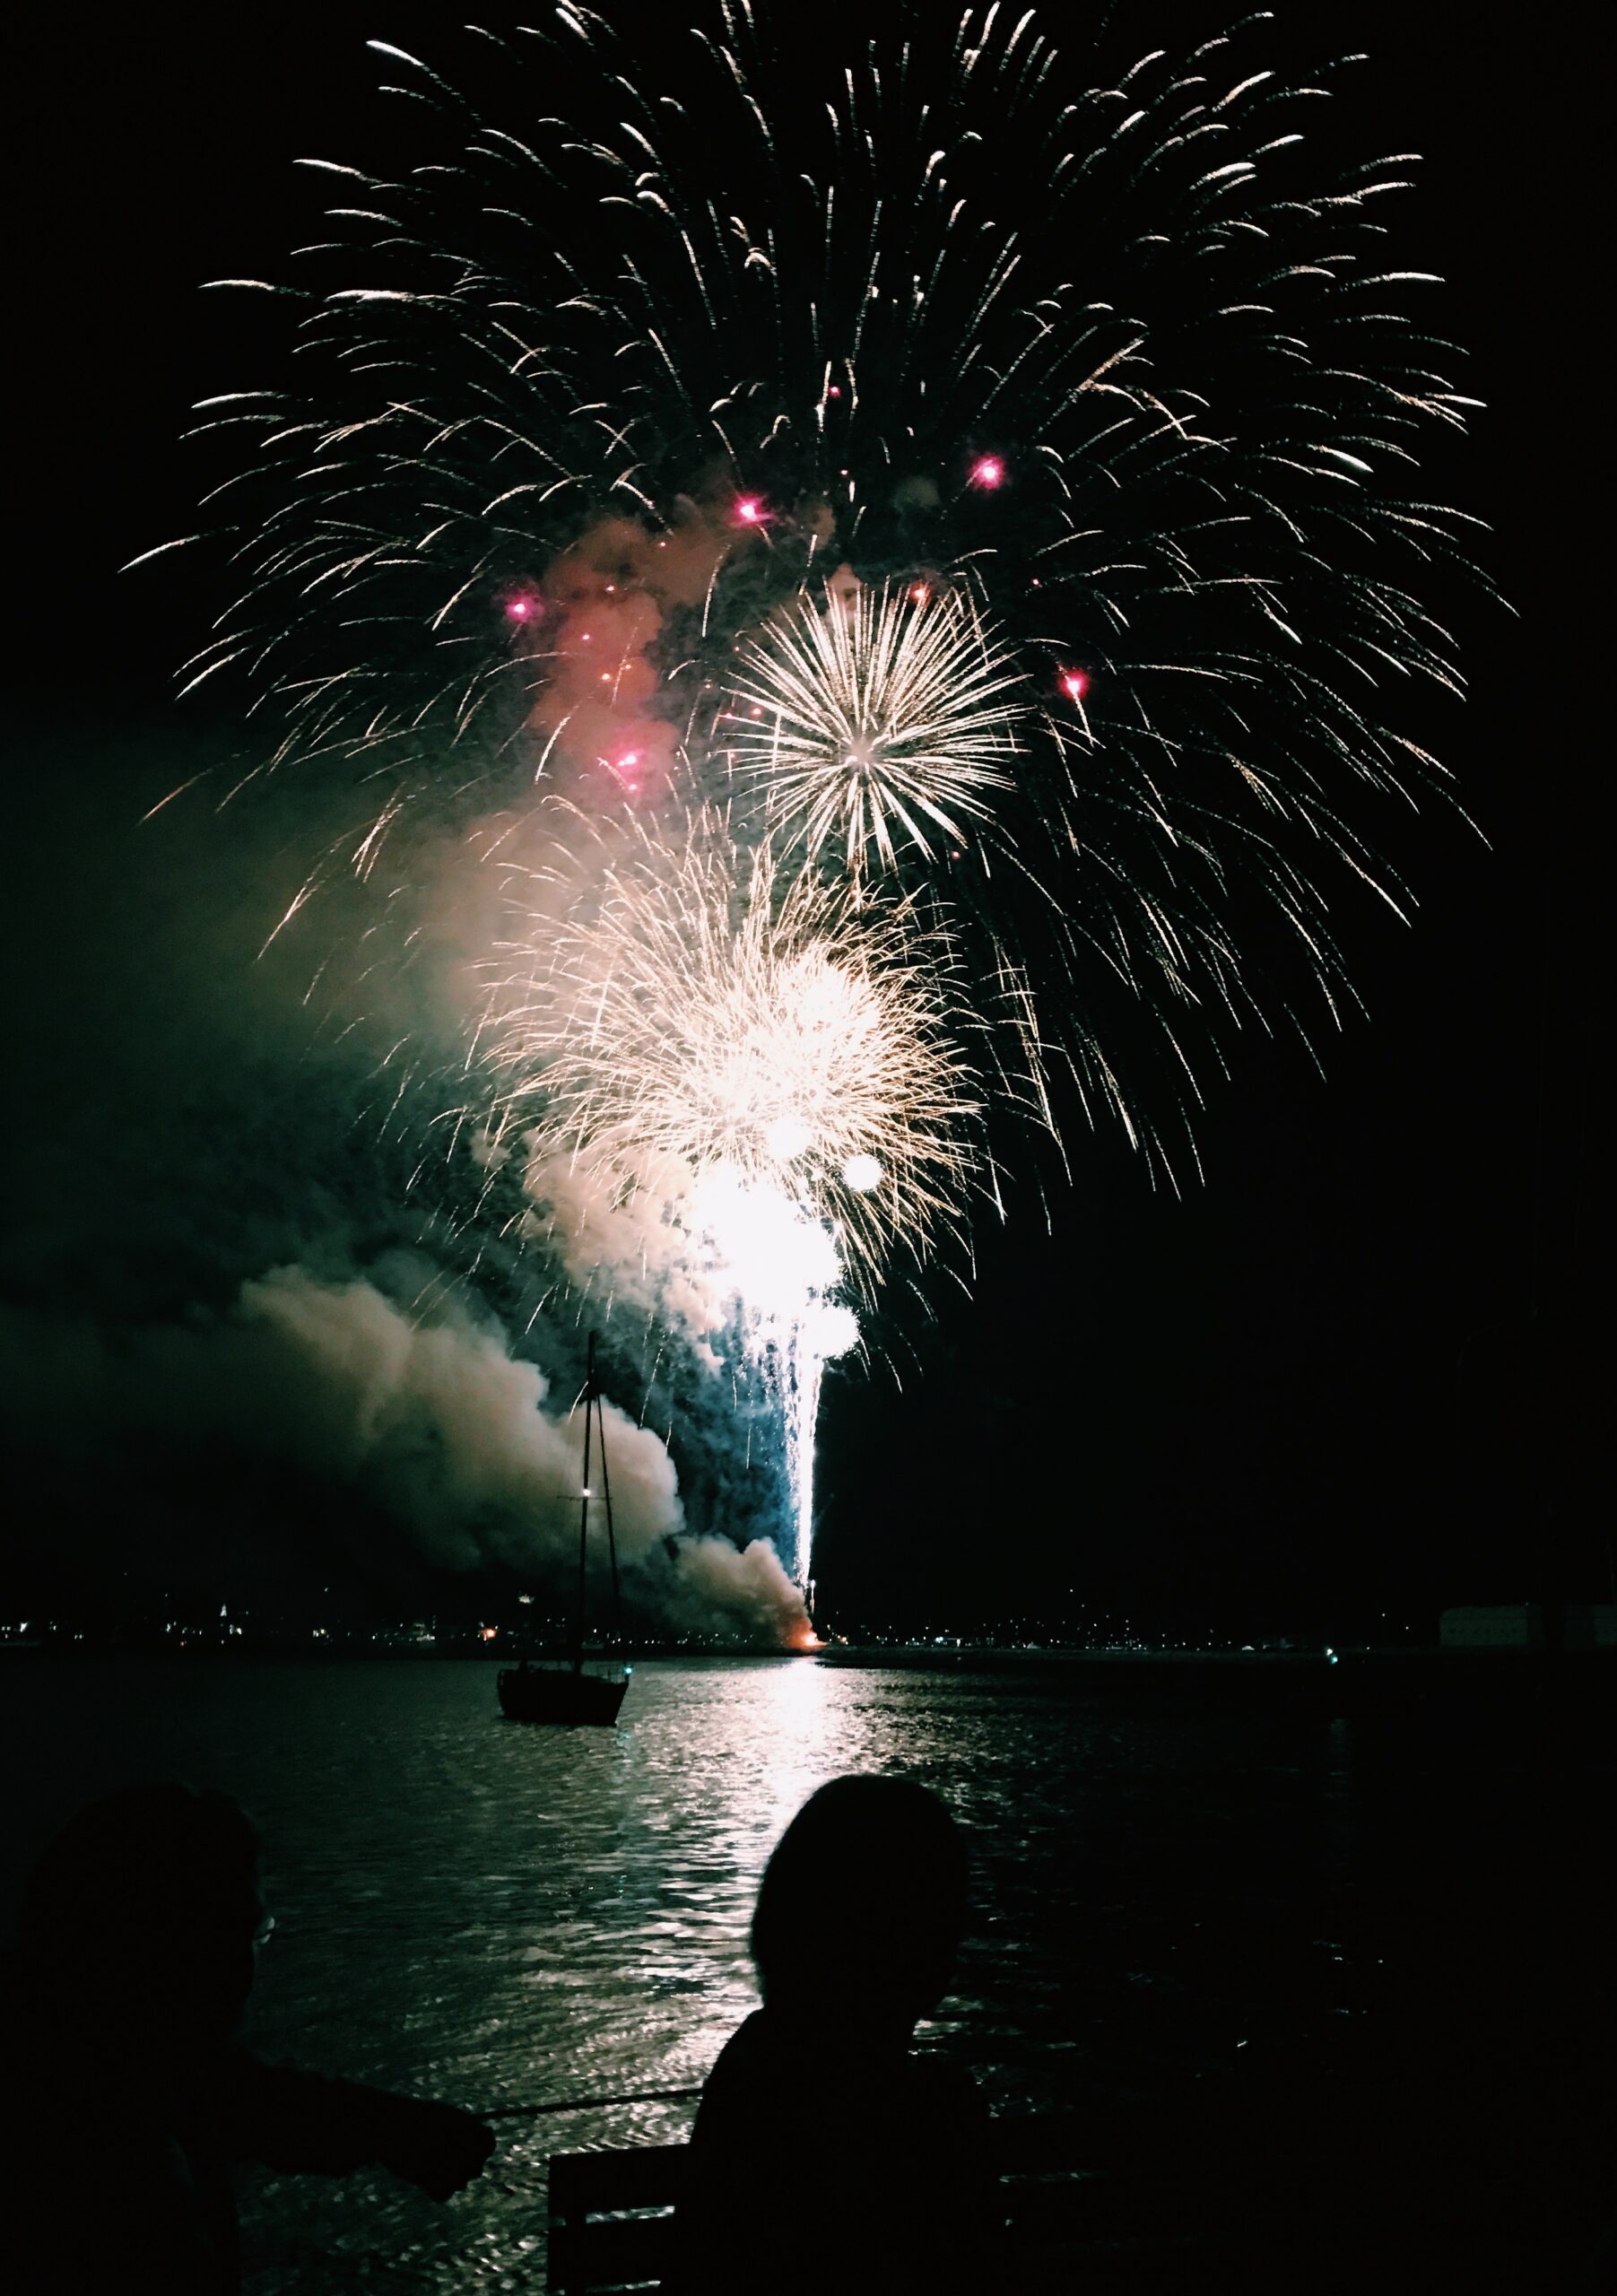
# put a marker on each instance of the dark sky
(1348, 1374)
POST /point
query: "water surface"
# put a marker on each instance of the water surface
(512, 1916)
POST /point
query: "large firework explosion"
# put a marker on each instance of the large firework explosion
(662, 1004)
(989, 473)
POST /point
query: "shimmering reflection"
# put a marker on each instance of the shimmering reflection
(513, 1917)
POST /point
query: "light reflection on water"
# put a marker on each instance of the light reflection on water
(507, 1916)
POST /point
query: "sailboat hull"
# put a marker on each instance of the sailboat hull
(558, 1694)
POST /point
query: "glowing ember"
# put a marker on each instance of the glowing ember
(987, 471)
(1074, 684)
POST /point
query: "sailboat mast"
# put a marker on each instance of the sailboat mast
(589, 1406)
(612, 1541)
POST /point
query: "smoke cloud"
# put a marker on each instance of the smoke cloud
(589, 629)
(426, 1415)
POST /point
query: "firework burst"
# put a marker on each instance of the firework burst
(1092, 339)
(665, 1001)
(885, 720)
(989, 472)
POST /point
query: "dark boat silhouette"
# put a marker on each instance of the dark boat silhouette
(559, 1690)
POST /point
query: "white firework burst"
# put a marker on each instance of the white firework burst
(673, 999)
(887, 720)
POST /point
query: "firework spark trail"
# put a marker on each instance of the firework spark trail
(990, 470)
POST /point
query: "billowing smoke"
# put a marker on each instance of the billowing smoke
(635, 1242)
(424, 1415)
(710, 1103)
(432, 1414)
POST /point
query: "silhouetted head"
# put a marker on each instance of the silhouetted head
(863, 1903)
(142, 1916)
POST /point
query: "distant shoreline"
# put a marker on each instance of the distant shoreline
(1103, 1663)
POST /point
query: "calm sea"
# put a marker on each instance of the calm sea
(528, 1919)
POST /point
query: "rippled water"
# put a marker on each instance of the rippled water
(520, 1918)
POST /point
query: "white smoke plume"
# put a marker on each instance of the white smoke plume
(632, 1232)
(430, 1418)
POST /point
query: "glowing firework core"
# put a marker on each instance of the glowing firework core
(777, 1037)
(789, 1136)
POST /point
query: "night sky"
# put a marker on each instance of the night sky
(1346, 1377)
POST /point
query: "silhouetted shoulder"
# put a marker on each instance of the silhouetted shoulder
(818, 2162)
(753, 2062)
(771, 2067)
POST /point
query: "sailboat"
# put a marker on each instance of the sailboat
(559, 1690)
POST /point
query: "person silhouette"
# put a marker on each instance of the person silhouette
(824, 2152)
(127, 2097)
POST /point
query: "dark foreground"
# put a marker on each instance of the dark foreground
(1327, 1996)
